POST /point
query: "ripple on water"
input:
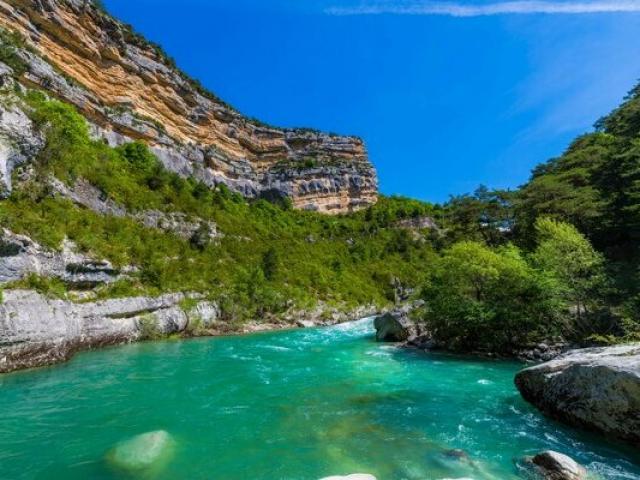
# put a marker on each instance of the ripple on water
(298, 405)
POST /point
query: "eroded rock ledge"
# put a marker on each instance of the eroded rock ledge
(129, 91)
(37, 331)
(596, 388)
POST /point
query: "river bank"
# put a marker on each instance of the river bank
(38, 331)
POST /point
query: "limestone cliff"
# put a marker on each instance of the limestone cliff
(128, 89)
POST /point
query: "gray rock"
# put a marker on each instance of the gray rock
(20, 256)
(393, 327)
(556, 466)
(170, 320)
(36, 330)
(205, 313)
(596, 388)
(19, 140)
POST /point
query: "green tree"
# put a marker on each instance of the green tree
(479, 298)
(569, 257)
(486, 215)
(270, 264)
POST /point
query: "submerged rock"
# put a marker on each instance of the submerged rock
(556, 466)
(353, 476)
(596, 388)
(149, 451)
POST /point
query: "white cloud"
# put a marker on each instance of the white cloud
(518, 7)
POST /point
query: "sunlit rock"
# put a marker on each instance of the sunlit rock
(593, 388)
(149, 451)
(556, 466)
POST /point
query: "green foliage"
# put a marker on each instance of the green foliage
(270, 263)
(269, 258)
(568, 256)
(148, 328)
(51, 287)
(485, 216)
(594, 186)
(579, 270)
(479, 298)
(10, 44)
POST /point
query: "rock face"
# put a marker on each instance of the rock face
(19, 140)
(596, 388)
(556, 466)
(129, 90)
(37, 331)
(20, 256)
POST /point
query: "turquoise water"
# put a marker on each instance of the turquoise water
(289, 405)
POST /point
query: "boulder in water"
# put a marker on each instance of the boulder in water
(593, 388)
(556, 466)
(149, 451)
(392, 327)
(353, 476)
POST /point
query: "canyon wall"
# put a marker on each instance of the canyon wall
(130, 90)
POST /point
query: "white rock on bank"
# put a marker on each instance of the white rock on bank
(594, 388)
(556, 466)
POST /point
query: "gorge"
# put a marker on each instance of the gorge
(139, 211)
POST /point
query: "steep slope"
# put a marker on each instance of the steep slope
(129, 90)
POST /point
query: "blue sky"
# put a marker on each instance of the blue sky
(446, 95)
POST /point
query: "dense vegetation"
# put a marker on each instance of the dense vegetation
(269, 259)
(557, 257)
(588, 196)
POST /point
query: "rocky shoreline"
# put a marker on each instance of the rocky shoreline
(398, 326)
(597, 389)
(38, 331)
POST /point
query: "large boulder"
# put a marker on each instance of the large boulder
(394, 327)
(596, 388)
(149, 451)
(556, 466)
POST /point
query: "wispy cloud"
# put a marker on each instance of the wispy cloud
(519, 7)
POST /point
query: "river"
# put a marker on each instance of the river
(295, 405)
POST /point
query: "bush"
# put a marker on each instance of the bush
(478, 298)
(578, 269)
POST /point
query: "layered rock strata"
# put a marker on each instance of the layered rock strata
(129, 90)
